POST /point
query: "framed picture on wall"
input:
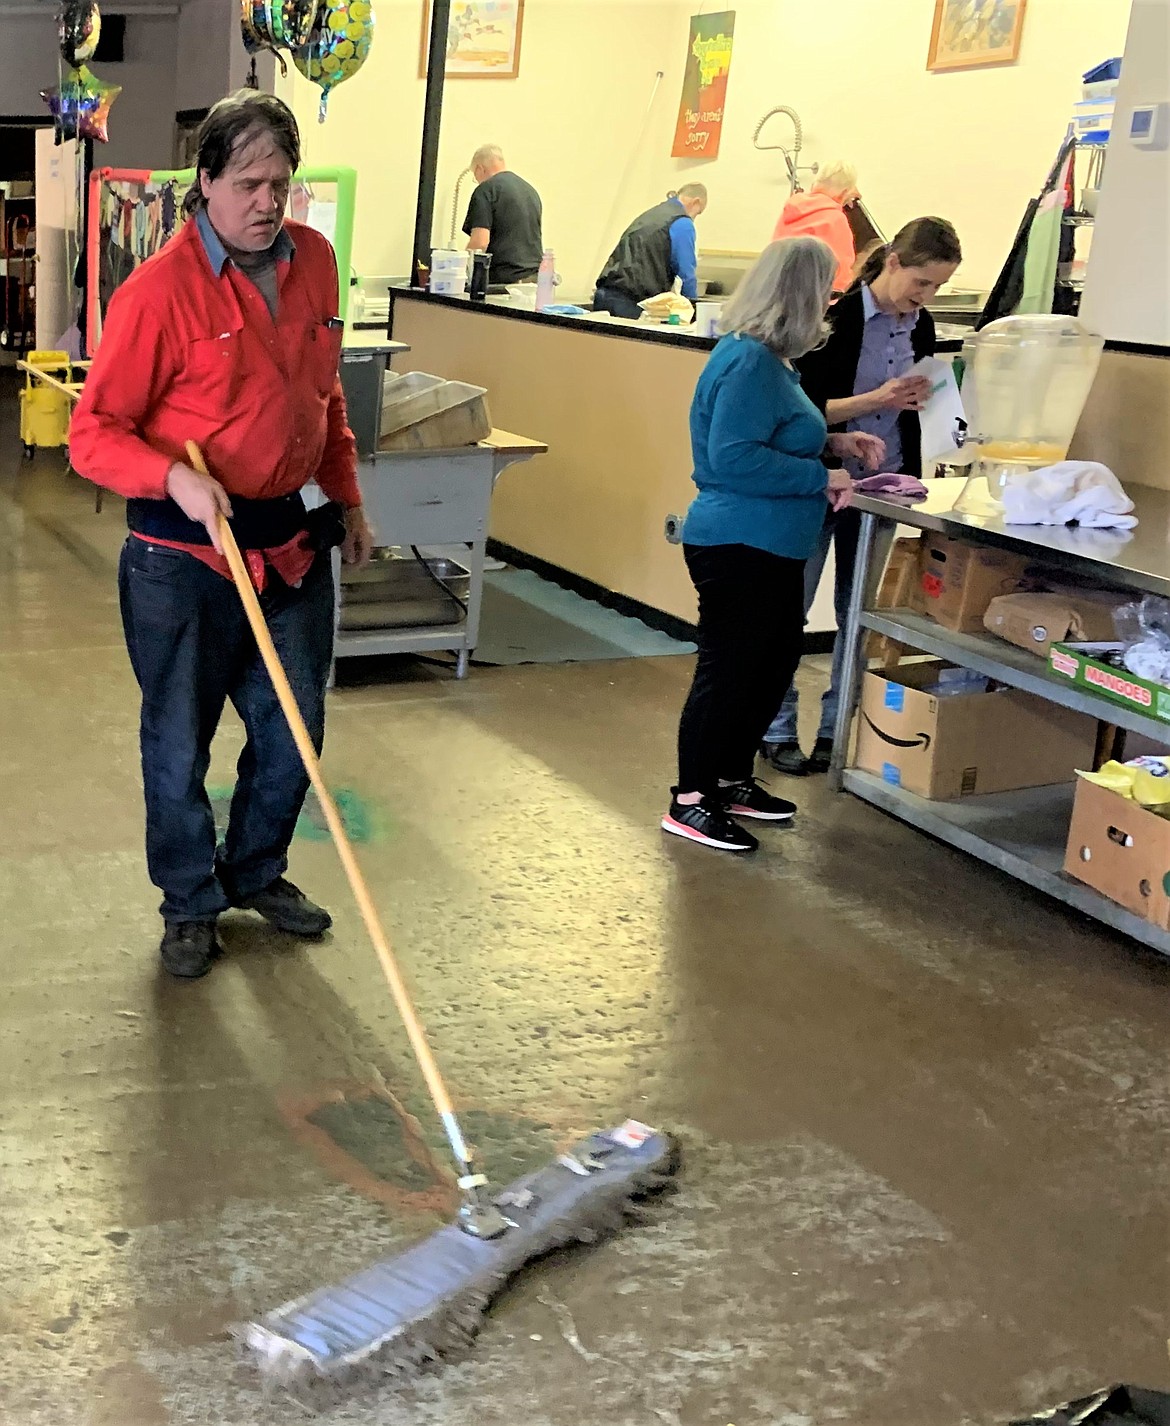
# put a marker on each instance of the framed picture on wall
(970, 33)
(483, 39)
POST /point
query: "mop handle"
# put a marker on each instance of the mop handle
(357, 882)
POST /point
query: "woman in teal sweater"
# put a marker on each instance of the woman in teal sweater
(759, 447)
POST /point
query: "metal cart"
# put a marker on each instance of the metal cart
(424, 503)
(1021, 833)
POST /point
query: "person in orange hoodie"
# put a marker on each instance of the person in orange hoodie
(821, 214)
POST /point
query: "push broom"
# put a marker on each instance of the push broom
(406, 1313)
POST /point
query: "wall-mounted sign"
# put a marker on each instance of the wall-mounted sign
(704, 93)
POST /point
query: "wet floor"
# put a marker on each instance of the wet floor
(924, 1111)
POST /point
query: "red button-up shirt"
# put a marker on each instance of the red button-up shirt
(189, 353)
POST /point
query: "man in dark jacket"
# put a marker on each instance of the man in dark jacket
(657, 247)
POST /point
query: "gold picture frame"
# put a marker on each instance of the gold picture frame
(483, 40)
(969, 34)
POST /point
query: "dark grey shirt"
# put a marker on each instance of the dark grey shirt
(510, 209)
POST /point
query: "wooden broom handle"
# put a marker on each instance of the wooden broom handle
(296, 724)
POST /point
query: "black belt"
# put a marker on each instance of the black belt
(256, 524)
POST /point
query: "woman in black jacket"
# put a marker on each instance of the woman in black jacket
(859, 379)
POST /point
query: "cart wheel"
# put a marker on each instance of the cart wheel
(29, 451)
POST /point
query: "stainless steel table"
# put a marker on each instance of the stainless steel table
(1021, 833)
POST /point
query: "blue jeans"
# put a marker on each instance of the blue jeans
(191, 650)
(617, 304)
(840, 531)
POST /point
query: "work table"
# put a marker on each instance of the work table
(1021, 833)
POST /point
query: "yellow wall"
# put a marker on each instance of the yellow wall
(972, 145)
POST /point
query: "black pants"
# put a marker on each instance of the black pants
(191, 650)
(617, 304)
(751, 633)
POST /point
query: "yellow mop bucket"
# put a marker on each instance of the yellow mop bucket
(45, 408)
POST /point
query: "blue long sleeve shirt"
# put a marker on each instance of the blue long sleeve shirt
(684, 256)
(756, 441)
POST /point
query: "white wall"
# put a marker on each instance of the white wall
(570, 124)
(973, 145)
(142, 117)
(1127, 288)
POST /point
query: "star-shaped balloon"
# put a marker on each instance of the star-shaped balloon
(80, 106)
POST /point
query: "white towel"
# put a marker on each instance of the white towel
(1081, 492)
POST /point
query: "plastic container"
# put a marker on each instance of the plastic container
(448, 272)
(423, 412)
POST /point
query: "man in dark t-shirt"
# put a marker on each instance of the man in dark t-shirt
(503, 218)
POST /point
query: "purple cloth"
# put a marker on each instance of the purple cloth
(891, 483)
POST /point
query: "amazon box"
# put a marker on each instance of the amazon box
(943, 733)
(1122, 850)
(957, 580)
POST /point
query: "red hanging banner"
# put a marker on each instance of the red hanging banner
(704, 92)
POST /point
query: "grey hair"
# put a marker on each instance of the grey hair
(486, 155)
(836, 176)
(783, 296)
(693, 190)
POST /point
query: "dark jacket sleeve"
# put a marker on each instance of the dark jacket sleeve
(828, 373)
(922, 343)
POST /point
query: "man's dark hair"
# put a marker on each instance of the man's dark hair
(231, 125)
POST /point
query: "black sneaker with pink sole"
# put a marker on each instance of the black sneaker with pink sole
(708, 824)
(749, 799)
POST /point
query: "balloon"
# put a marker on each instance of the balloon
(79, 27)
(80, 106)
(338, 45)
(277, 24)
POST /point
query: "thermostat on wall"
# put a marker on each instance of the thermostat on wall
(1149, 126)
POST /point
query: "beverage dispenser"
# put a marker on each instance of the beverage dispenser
(1025, 384)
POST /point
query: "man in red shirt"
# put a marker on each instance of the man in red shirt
(229, 337)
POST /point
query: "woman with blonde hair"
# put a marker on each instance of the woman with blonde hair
(759, 447)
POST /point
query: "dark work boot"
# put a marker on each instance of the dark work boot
(287, 908)
(786, 758)
(822, 755)
(188, 948)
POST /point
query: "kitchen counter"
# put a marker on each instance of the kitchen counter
(596, 322)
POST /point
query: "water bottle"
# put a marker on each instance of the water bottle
(480, 268)
(546, 280)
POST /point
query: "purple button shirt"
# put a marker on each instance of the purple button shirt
(885, 352)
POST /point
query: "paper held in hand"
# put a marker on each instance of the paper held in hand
(943, 419)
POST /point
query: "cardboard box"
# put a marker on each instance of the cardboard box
(1098, 668)
(968, 743)
(896, 591)
(1037, 621)
(1122, 850)
(957, 580)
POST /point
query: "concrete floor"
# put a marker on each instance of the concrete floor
(924, 1111)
